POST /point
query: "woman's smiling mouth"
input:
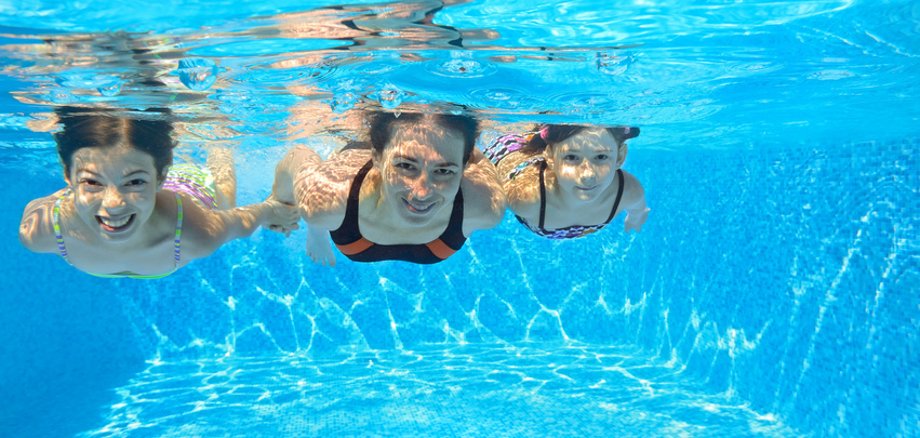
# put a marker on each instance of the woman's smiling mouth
(418, 208)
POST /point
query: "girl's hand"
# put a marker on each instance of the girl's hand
(635, 219)
(281, 217)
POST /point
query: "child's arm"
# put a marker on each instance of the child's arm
(634, 203)
(206, 230)
(36, 232)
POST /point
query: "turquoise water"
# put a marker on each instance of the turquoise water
(773, 291)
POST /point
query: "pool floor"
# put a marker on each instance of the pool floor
(461, 390)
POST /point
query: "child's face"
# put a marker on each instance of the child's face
(421, 171)
(114, 190)
(585, 164)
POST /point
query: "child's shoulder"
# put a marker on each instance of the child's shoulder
(36, 228)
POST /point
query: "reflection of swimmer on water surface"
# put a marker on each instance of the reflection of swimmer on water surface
(566, 181)
(126, 210)
(415, 193)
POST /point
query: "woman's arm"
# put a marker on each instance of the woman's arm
(321, 191)
(483, 195)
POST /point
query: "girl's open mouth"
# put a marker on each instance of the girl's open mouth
(115, 225)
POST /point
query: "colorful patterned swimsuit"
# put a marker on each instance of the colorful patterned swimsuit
(507, 144)
(187, 179)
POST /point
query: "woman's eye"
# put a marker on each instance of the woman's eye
(136, 182)
(90, 182)
(404, 166)
(444, 172)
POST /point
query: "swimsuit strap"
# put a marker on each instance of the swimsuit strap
(616, 203)
(542, 194)
(178, 241)
(453, 234)
(56, 224)
(349, 231)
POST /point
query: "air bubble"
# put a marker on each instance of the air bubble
(110, 88)
(390, 96)
(197, 73)
(612, 64)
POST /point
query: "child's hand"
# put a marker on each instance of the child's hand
(282, 217)
(635, 219)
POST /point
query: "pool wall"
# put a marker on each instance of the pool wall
(786, 278)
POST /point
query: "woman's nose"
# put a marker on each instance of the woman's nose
(423, 187)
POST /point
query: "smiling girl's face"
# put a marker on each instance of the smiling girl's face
(114, 190)
(585, 164)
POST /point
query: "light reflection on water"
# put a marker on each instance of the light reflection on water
(467, 390)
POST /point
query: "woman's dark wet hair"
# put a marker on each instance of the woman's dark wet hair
(89, 127)
(381, 124)
(547, 135)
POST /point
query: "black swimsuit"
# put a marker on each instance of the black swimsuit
(349, 241)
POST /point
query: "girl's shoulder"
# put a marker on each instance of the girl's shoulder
(36, 228)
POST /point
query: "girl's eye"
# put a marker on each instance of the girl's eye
(136, 182)
(444, 172)
(602, 157)
(90, 182)
(570, 157)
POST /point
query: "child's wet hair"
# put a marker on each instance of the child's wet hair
(90, 127)
(381, 124)
(548, 135)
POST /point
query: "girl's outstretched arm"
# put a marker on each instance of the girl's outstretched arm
(206, 230)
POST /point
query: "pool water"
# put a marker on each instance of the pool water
(773, 291)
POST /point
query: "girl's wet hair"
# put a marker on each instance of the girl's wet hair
(90, 127)
(547, 135)
(381, 128)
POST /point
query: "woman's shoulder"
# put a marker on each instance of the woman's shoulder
(322, 192)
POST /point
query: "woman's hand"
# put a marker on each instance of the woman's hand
(318, 247)
(281, 217)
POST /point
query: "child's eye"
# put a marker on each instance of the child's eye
(444, 172)
(602, 157)
(404, 166)
(90, 182)
(136, 182)
(570, 157)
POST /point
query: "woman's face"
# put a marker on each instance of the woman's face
(114, 189)
(585, 163)
(421, 168)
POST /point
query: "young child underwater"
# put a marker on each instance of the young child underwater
(126, 210)
(566, 181)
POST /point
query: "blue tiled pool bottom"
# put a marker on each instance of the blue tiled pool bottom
(460, 390)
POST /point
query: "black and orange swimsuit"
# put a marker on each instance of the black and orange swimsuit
(349, 241)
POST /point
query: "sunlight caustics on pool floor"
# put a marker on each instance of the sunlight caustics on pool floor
(467, 390)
